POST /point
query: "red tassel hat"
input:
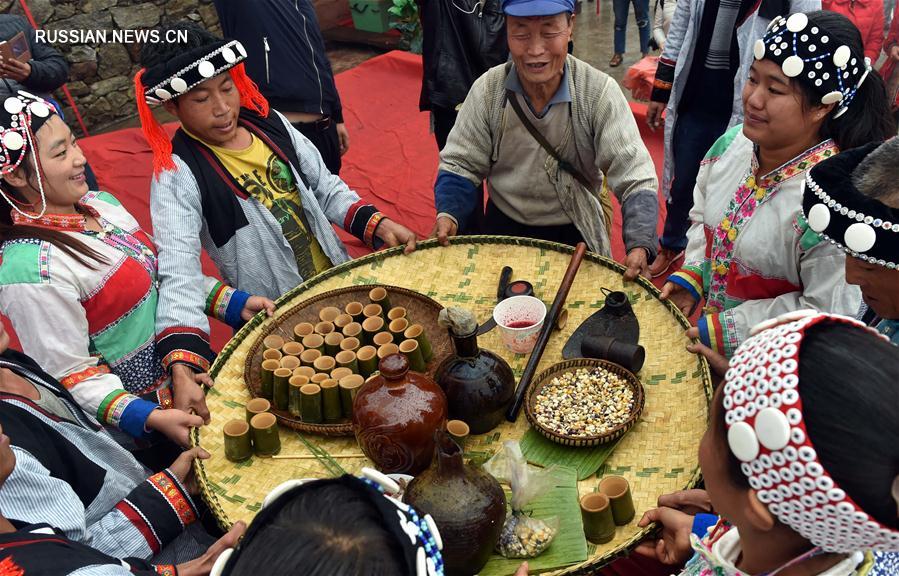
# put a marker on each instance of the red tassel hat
(182, 74)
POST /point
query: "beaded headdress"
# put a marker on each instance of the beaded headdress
(808, 53)
(22, 116)
(416, 534)
(183, 73)
(766, 432)
(834, 208)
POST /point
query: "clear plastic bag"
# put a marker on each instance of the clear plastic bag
(522, 535)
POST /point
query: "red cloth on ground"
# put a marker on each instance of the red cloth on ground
(392, 160)
(867, 15)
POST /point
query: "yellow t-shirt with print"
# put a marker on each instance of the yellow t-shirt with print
(266, 178)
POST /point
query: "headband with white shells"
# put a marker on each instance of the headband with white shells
(766, 432)
(806, 52)
(863, 227)
(185, 72)
(418, 535)
(23, 114)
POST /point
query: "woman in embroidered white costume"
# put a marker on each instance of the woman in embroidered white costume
(78, 282)
(790, 430)
(751, 255)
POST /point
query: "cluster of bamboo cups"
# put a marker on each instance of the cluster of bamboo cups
(317, 375)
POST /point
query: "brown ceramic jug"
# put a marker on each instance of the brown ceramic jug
(467, 504)
(395, 416)
(479, 385)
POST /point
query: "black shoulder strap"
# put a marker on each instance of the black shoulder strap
(563, 164)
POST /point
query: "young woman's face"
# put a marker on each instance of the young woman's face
(773, 114)
(62, 167)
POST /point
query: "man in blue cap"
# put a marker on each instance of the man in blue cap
(546, 130)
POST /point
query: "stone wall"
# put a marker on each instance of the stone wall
(100, 75)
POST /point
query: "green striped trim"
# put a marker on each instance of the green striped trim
(129, 333)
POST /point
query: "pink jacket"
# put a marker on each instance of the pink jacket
(867, 15)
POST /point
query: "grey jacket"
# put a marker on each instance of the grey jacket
(49, 70)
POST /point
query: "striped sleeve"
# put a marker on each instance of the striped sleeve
(64, 351)
(182, 329)
(225, 303)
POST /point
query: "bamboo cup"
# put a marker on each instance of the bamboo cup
(332, 343)
(367, 356)
(319, 377)
(382, 338)
(351, 344)
(268, 378)
(386, 350)
(341, 372)
(331, 409)
(311, 403)
(410, 349)
(324, 328)
(238, 446)
(324, 364)
(271, 354)
(309, 356)
(353, 330)
(398, 327)
(314, 342)
(296, 382)
(266, 441)
(349, 388)
(373, 311)
(302, 330)
(354, 309)
(370, 327)
(458, 430)
(290, 362)
(329, 313)
(417, 332)
(292, 349)
(396, 313)
(273, 342)
(257, 406)
(307, 371)
(380, 297)
(281, 390)
(347, 359)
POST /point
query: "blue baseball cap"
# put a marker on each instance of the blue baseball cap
(537, 7)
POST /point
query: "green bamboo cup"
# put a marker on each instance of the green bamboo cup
(281, 390)
(324, 328)
(411, 350)
(292, 349)
(341, 321)
(290, 362)
(340, 372)
(353, 330)
(370, 327)
(311, 403)
(266, 441)
(271, 354)
(417, 332)
(349, 388)
(268, 378)
(367, 357)
(332, 343)
(382, 338)
(272, 342)
(380, 297)
(238, 446)
(257, 406)
(293, 404)
(308, 357)
(351, 344)
(307, 371)
(596, 513)
(319, 377)
(386, 350)
(329, 313)
(347, 359)
(302, 330)
(354, 309)
(324, 364)
(458, 431)
(620, 500)
(314, 342)
(373, 311)
(398, 328)
(396, 313)
(331, 409)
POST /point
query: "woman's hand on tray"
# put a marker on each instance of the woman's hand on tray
(717, 362)
(256, 304)
(679, 296)
(692, 502)
(394, 234)
(673, 545)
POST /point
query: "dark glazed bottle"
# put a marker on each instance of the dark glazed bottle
(468, 506)
(479, 385)
(395, 416)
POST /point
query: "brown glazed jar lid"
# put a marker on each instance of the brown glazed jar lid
(394, 367)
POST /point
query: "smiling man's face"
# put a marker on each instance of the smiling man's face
(539, 46)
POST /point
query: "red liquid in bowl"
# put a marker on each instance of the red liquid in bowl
(520, 324)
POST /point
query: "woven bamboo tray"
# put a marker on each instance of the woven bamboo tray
(421, 309)
(657, 456)
(572, 365)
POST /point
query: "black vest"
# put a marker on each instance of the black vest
(219, 190)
